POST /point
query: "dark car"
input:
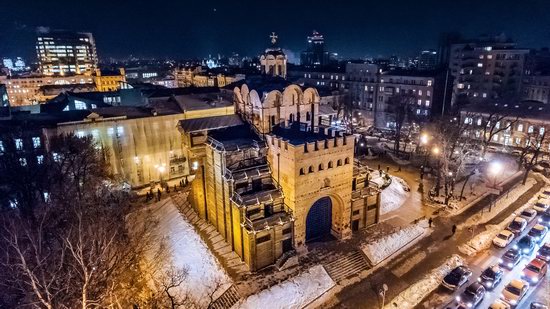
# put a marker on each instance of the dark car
(510, 258)
(526, 245)
(456, 278)
(544, 252)
(538, 232)
(491, 276)
(472, 295)
(545, 218)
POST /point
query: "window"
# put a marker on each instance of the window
(330, 164)
(23, 161)
(419, 102)
(321, 167)
(263, 239)
(79, 105)
(2, 149)
(495, 138)
(419, 92)
(427, 103)
(530, 129)
(478, 121)
(484, 95)
(497, 125)
(355, 212)
(429, 83)
(80, 134)
(95, 133)
(520, 127)
(302, 171)
(36, 142)
(346, 161)
(480, 65)
(339, 162)
(18, 144)
(287, 230)
(310, 169)
(518, 141)
(119, 130)
(40, 159)
(428, 93)
(110, 131)
(56, 157)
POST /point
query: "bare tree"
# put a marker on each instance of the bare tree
(492, 124)
(401, 105)
(531, 151)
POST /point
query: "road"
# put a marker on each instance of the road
(442, 298)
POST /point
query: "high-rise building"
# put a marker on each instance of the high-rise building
(486, 68)
(315, 55)
(427, 60)
(66, 53)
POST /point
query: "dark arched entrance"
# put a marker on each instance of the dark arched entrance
(319, 219)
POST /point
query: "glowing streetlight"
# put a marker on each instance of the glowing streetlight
(495, 168)
(423, 139)
(435, 151)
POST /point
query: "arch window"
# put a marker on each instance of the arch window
(339, 162)
(310, 170)
(302, 171)
(329, 164)
(346, 161)
(321, 167)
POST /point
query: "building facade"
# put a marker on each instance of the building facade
(315, 55)
(273, 61)
(66, 53)
(277, 179)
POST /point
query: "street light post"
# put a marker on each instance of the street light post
(436, 152)
(382, 292)
(494, 169)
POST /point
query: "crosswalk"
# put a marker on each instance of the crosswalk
(346, 266)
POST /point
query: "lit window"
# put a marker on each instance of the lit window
(417, 111)
(479, 121)
(495, 137)
(79, 105)
(480, 65)
(427, 103)
(120, 130)
(66, 108)
(428, 93)
(110, 131)
(23, 161)
(95, 133)
(18, 144)
(477, 134)
(520, 127)
(429, 82)
(80, 134)
(36, 142)
(460, 86)
(2, 149)
(541, 131)
(484, 95)
(419, 102)
(518, 141)
(40, 159)
(530, 129)
(489, 56)
(419, 92)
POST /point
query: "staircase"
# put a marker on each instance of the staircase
(282, 260)
(346, 266)
(229, 298)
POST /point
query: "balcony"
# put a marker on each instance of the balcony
(281, 215)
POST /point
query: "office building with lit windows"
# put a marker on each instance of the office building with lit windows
(66, 53)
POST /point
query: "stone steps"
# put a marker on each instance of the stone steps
(229, 298)
(344, 267)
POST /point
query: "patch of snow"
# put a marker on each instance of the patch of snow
(294, 293)
(381, 248)
(188, 250)
(394, 195)
(414, 294)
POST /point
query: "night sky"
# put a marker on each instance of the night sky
(184, 29)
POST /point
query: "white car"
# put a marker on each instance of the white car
(528, 214)
(499, 304)
(514, 292)
(541, 206)
(517, 225)
(503, 239)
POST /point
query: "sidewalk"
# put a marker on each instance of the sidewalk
(429, 253)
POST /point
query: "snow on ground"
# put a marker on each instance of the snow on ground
(187, 249)
(381, 248)
(414, 294)
(394, 195)
(296, 292)
(483, 240)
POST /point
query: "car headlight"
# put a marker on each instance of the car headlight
(469, 305)
(535, 280)
(458, 298)
(489, 284)
(478, 279)
(513, 302)
(540, 219)
(525, 250)
(515, 247)
(500, 261)
(510, 265)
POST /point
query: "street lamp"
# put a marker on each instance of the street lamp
(436, 151)
(423, 139)
(494, 169)
(382, 292)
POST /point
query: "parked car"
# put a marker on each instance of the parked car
(504, 238)
(538, 232)
(526, 245)
(491, 276)
(510, 259)
(499, 304)
(545, 218)
(541, 206)
(535, 271)
(528, 214)
(514, 292)
(517, 225)
(544, 252)
(472, 295)
(457, 277)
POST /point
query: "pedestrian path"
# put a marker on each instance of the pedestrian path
(229, 298)
(346, 266)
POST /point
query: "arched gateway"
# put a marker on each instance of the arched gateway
(319, 219)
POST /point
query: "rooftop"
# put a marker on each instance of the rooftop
(526, 109)
(261, 83)
(209, 123)
(299, 134)
(234, 138)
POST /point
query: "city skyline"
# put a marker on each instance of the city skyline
(188, 30)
